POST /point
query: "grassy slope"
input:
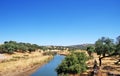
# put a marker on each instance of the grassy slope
(21, 63)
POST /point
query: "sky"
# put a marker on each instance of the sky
(59, 22)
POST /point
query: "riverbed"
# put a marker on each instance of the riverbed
(49, 68)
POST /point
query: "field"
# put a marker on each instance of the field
(108, 64)
(20, 64)
(24, 64)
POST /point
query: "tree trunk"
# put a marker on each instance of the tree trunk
(100, 62)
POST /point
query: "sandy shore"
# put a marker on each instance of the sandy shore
(23, 64)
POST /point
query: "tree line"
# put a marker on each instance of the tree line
(12, 46)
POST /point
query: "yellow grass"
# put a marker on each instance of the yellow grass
(20, 62)
(106, 62)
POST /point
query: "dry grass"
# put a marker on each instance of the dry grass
(20, 62)
(108, 64)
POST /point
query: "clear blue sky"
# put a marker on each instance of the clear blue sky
(59, 22)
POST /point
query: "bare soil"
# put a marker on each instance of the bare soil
(108, 64)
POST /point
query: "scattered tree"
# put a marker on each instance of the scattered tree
(104, 47)
(90, 50)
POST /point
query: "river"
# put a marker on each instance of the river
(49, 68)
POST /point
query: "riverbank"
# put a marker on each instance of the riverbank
(20, 64)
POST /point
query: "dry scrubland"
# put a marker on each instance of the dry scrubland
(22, 64)
(108, 64)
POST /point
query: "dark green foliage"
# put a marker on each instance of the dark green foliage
(63, 74)
(8, 48)
(12, 46)
(118, 45)
(104, 46)
(73, 64)
(90, 50)
(118, 49)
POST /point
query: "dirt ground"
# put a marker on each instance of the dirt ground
(108, 64)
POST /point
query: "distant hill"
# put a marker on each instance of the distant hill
(81, 46)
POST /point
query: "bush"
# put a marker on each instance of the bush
(63, 74)
(73, 64)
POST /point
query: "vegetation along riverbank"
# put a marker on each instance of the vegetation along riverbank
(20, 64)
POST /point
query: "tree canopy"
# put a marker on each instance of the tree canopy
(90, 50)
(104, 46)
(12, 46)
(118, 45)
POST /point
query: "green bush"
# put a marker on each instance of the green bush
(73, 64)
(63, 74)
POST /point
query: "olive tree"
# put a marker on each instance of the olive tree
(104, 48)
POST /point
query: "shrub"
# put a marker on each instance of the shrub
(73, 64)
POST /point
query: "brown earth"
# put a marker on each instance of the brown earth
(108, 64)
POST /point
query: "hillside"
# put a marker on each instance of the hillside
(81, 46)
